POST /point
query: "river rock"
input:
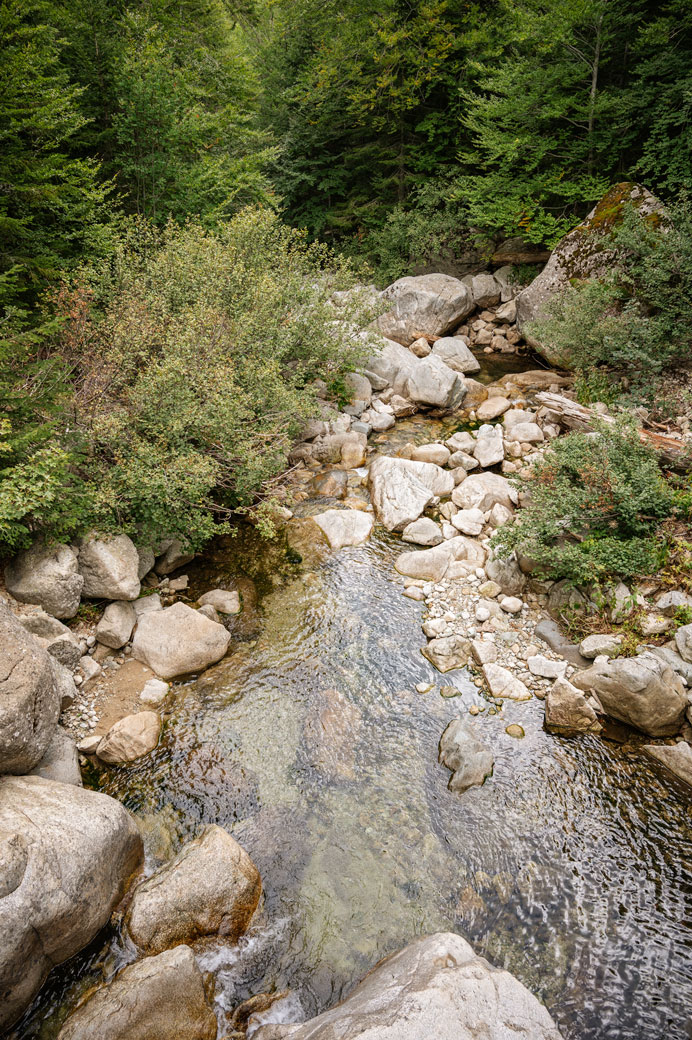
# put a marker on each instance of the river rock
(61, 761)
(45, 627)
(599, 645)
(115, 627)
(130, 738)
(683, 641)
(489, 448)
(583, 253)
(345, 526)
(567, 711)
(71, 854)
(433, 564)
(401, 489)
(222, 600)
(178, 641)
(66, 650)
(669, 602)
(492, 408)
(546, 667)
(470, 760)
(360, 387)
(448, 652)
(454, 351)
(507, 574)
(435, 988)
(485, 289)
(64, 685)
(211, 887)
(158, 998)
(642, 691)
(483, 490)
(502, 683)
(525, 432)
(677, 758)
(426, 305)
(154, 691)
(110, 567)
(438, 454)
(422, 532)
(170, 555)
(29, 697)
(461, 441)
(47, 575)
(469, 521)
(434, 384)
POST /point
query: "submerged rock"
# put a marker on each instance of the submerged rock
(29, 697)
(69, 855)
(155, 999)
(211, 887)
(331, 735)
(178, 641)
(469, 759)
(47, 575)
(435, 988)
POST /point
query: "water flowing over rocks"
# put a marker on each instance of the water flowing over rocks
(178, 641)
(469, 759)
(211, 887)
(47, 575)
(437, 987)
(71, 853)
(29, 697)
(154, 999)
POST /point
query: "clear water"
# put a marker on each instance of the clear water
(571, 866)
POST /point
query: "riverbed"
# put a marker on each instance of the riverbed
(570, 866)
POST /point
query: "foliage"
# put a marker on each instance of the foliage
(635, 319)
(595, 503)
(193, 357)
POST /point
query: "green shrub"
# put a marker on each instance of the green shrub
(193, 354)
(595, 502)
(635, 320)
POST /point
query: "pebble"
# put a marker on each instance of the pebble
(514, 730)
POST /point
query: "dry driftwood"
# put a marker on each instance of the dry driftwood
(673, 452)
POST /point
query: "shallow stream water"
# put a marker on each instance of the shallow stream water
(570, 866)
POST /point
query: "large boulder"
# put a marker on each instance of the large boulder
(567, 711)
(586, 252)
(155, 999)
(433, 564)
(436, 987)
(642, 691)
(47, 575)
(115, 627)
(426, 305)
(401, 489)
(427, 381)
(485, 289)
(29, 697)
(454, 351)
(211, 887)
(68, 855)
(345, 526)
(469, 759)
(178, 641)
(483, 491)
(110, 567)
(61, 761)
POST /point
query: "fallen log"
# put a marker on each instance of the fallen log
(673, 452)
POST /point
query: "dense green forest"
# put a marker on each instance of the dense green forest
(148, 146)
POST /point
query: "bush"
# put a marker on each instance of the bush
(595, 502)
(193, 354)
(634, 321)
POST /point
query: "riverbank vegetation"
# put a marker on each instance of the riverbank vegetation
(161, 325)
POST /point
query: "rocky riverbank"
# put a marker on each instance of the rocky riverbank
(445, 498)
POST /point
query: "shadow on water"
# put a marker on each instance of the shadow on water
(570, 867)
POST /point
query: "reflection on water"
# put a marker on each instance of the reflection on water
(570, 866)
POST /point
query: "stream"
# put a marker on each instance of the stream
(570, 866)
